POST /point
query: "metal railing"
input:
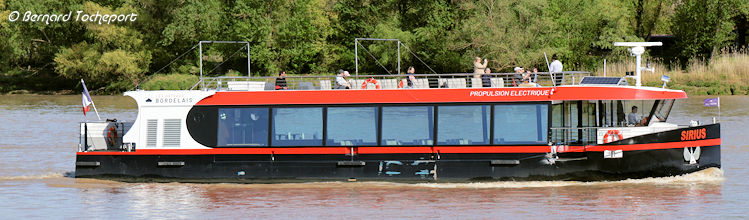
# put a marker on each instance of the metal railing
(103, 136)
(423, 81)
(574, 136)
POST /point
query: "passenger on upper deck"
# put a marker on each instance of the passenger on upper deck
(556, 67)
(527, 76)
(517, 77)
(340, 80)
(535, 74)
(527, 80)
(486, 79)
(633, 118)
(281, 81)
(410, 78)
(478, 68)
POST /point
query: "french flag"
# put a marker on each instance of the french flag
(86, 98)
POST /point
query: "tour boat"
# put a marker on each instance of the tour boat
(446, 128)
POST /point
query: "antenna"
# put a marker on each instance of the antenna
(638, 48)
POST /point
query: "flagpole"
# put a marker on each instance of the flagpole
(97, 112)
(718, 108)
(85, 92)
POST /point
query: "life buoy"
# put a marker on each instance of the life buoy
(112, 136)
(615, 135)
(400, 84)
(370, 80)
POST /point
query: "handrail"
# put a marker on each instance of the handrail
(434, 80)
(574, 135)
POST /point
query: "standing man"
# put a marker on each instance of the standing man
(478, 68)
(556, 69)
(281, 81)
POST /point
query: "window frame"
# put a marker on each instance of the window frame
(490, 124)
(218, 113)
(378, 120)
(434, 123)
(548, 122)
(271, 132)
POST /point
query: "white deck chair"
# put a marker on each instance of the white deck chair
(356, 83)
(442, 83)
(498, 82)
(325, 85)
(388, 83)
(476, 82)
(456, 83)
(421, 84)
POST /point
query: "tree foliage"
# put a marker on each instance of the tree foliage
(317, 36)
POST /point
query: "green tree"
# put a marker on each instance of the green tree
(116, 56)
(284, 35)
(702, 27)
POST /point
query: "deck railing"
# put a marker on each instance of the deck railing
(574, 136)
(423, 81)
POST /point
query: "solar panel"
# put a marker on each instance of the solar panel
(601, 80)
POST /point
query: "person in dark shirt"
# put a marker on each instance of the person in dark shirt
(410, 78)
(486, 79)
(281, 81)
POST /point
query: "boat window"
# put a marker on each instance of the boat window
(297, 126)
(463, 125)
(643, 111)
(412, 125)
(663, 110)
(521, 124)
(242, 127)
(351, 126)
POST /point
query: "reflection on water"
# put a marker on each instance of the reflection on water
(38, 141)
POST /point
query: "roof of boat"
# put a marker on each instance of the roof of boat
(445, 95)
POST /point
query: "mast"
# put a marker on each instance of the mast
(637, 49)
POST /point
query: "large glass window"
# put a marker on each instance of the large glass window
(463, 125)
(662, 110)
(521, 124)
(297, 126)
(410, 125)
(242, 127)
(352, 126)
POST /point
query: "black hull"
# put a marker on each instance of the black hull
(426, 167)
(588, 166)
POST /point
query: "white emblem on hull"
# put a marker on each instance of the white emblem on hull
(692, 154)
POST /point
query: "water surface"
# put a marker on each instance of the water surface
(38, 140)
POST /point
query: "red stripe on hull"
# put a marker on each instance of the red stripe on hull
(408, 150)
(654, 146)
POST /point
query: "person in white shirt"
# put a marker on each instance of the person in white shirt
(556, 68)
(633, 118)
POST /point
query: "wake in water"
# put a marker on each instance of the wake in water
(33, 177)
(710, 175)
(707, 176)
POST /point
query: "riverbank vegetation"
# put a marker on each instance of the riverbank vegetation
(317, 37)
(726, 74)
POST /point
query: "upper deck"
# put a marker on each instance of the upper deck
(428, 88)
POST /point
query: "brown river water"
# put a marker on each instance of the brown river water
(38, 140)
